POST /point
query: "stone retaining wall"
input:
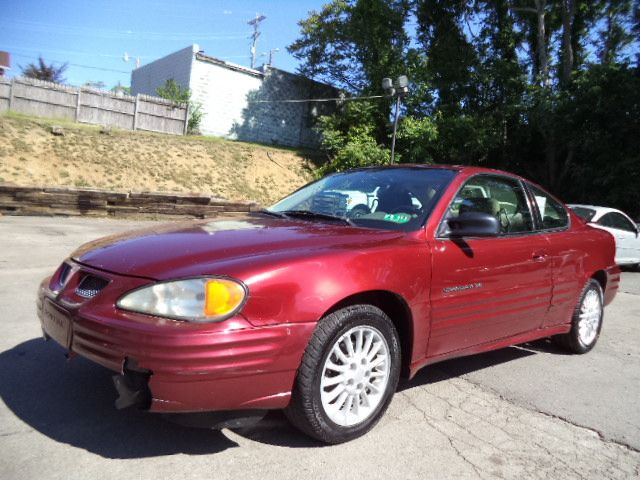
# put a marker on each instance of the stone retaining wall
(16, 200)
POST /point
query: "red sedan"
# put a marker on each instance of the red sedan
(318, 304)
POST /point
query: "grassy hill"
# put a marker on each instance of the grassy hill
(123, 160)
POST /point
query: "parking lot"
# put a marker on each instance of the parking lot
(523, 412)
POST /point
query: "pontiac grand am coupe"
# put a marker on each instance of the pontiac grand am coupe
(318, 305)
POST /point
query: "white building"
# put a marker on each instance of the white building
(240, 102)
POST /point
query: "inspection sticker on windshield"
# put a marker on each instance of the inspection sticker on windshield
(397, 217)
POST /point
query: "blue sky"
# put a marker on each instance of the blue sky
(97, 33)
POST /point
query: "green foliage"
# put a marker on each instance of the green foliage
(42, 71)
(547, 89)
(603, 121)
(354, 44)
(171, 90)
(195, 118)
(348, 139)
(415, 140)
(121, 89)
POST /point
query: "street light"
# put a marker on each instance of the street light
(395, 88)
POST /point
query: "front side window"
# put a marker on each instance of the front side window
(501, 197)
(586, 213)
(552, 212)
(388, 198)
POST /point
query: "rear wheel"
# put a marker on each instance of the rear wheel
(348, 375)
(587, 320)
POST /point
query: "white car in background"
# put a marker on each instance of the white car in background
(624, 230)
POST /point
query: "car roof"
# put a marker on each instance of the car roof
(459, 168)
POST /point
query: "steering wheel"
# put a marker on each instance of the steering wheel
(503, 218)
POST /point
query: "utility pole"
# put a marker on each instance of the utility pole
(271, 52)
(255, 23)
(395, 88)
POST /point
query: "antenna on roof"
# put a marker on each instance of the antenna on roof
(255, 23)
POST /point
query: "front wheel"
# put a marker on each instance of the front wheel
(348, 375)
(587, 320)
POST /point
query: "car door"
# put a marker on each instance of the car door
(485, 289)
(626, 236)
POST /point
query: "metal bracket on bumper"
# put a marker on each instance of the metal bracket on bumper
(132, 386)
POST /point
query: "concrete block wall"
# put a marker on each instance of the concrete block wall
(147, 78)
(242, 103)
(270, 118)
(222, 92)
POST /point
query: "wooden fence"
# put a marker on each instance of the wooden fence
(15, 200)
(86, 105)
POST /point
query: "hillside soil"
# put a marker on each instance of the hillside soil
(119, 160)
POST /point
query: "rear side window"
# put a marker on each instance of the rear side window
(615, 220)
(552, 212)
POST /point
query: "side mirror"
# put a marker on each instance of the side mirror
(474, 224)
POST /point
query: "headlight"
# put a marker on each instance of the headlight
(194, 299)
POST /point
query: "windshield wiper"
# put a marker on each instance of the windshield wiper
(272, 213)
(316, 215)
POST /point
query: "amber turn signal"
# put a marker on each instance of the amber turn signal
(222, 297)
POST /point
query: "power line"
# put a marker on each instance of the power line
(67, 52)
(309, 100)
(76, 64)
(118, 34)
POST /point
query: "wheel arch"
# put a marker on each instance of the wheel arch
(601, 277)
(396, 308)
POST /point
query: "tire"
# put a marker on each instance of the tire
(348, 375)
(358, 211)
(586, 322)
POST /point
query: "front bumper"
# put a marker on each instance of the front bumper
(192, 367)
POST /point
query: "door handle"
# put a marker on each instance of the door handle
(539, 256)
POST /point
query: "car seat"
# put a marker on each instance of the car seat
(394, 198)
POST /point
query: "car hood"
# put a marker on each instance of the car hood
(198, 247)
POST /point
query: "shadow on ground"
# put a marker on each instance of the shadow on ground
(460, 366)
(72, 402)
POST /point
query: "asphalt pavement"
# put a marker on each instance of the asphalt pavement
(522, 412)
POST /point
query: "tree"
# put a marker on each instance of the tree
(348, 138)
(121, 89)
(615, 36)
(354, 44)
(42, 71)
(451, 59)
(171, 90)
(545, 88)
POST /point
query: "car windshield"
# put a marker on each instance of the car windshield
(399, 198)
(586, 213)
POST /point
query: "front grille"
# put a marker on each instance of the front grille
(331, 203)
(90, 286)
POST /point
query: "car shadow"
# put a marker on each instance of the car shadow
(72, 402)
(457, 367)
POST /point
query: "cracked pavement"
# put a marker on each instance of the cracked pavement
(522, 412)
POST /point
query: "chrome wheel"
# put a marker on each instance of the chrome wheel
(589, 317)
(355, 376)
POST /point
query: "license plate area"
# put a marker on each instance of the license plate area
(57, 324)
